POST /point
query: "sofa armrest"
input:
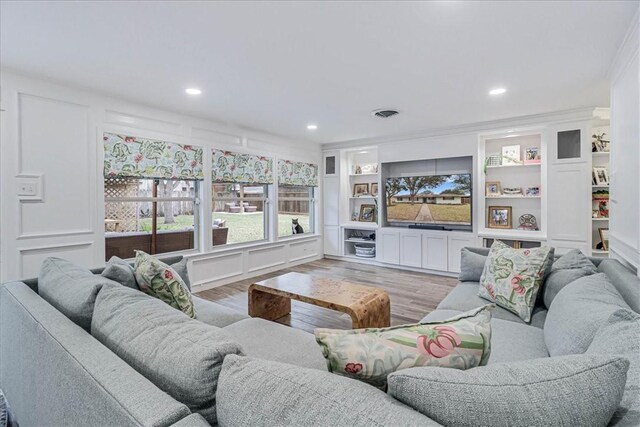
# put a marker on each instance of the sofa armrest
(193, 420)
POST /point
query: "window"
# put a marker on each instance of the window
(239, 214)
(295, 207)
(152, 215)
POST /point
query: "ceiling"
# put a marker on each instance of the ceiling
(278, 66)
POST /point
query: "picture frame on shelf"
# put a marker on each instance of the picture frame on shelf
(357, 170)
(500, 217)
(367, 213)
(531, 155)
(492, 189)
(360, 190)
(599, 144)
(511, 155)
(374, 189)
(604, 238)
(601, 175)
(369, 168)
(532, 191)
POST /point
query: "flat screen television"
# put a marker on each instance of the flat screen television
(438, 200)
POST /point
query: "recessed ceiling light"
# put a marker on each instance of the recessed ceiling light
(193, 91)
(363, 152)
(498, 91)
(312, 127)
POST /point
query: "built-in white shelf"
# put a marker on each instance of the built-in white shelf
(511, 234)
(599, 252)
(600, 186)
(519, 165)
(600, 154)
(370, 242)
(512, 197)
(364, 174)
(600, 219)
(360, 225)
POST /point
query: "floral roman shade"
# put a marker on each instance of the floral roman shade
(227, 166)
(128, 156)
(297, 174)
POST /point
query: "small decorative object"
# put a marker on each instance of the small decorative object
(603, 208)
(604, 238)
(358, 170)
(369, 168)
(354, 216)
(531, 155)
(360, 190)
(500, 217)
(598, 143)
(601, 175)
(532, 191)
(493, 189)
(600, 194)
(595, 213)
(374, 188)
(511, 155)
(367, 213)
(492, 161)
(512, 191)
(528, 222)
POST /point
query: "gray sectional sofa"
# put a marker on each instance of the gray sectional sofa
(54, 372)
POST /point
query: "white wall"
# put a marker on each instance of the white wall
(624, 223)
(56, 131)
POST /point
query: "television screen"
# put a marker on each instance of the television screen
(430, 199)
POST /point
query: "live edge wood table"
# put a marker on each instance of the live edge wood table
(271, 299)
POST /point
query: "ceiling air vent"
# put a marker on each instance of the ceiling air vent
(384, 113)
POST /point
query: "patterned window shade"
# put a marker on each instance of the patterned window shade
(227, 166)
(297, 174)
(128, 156)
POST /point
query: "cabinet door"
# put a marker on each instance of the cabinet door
(411, 250)
(455, 244)
(332, 240)
(389, 247)
(330, 200)
(434, 252)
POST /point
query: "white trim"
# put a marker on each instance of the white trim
(627, 50)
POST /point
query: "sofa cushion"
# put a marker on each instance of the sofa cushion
(577, 390)
(181, 268)
(181, 356)
(578, 311)
(71, 289)
(261, 393)
(216, 314)
(120, 271)
(160, 280)
(273, 341)
(620, 336)
(464, 297)
(371, 354)
(566, 269)
(512, 277)
(511, 342)
(471, 265)
(625, 281)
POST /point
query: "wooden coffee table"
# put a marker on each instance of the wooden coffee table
(271, 299)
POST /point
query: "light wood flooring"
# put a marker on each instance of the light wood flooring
(413, 295)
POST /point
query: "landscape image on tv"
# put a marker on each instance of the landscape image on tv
(432, 199)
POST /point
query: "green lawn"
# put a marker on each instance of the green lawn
(403, 211)
(451, 213)
(242, 227)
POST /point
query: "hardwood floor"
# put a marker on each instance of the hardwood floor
(413, 295)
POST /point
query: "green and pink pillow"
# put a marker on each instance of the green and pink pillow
(369, 355)
(512, 277)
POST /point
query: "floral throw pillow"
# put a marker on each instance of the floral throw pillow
(512, 277)
(369, 355)
(159, 280)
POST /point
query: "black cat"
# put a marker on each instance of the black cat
(295, 227)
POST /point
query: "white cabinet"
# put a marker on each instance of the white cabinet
(388, 246)
(330, 200)
(455, 244)
(331, 240)
(411, 249)
(434, 251)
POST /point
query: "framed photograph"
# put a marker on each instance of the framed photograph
(531, 155)
(601, 175)
(511, 155)
(492, 189)
(604, 238)
(367, 213)
(374, 188)
(360, 189)
(369, 168)
(533, 191)
(500, 217)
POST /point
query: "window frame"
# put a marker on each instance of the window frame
(265, 211)
(312, 215)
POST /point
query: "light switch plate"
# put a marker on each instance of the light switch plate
(29, 187)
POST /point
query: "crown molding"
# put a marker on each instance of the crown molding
(514, 122)
(627, 51)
